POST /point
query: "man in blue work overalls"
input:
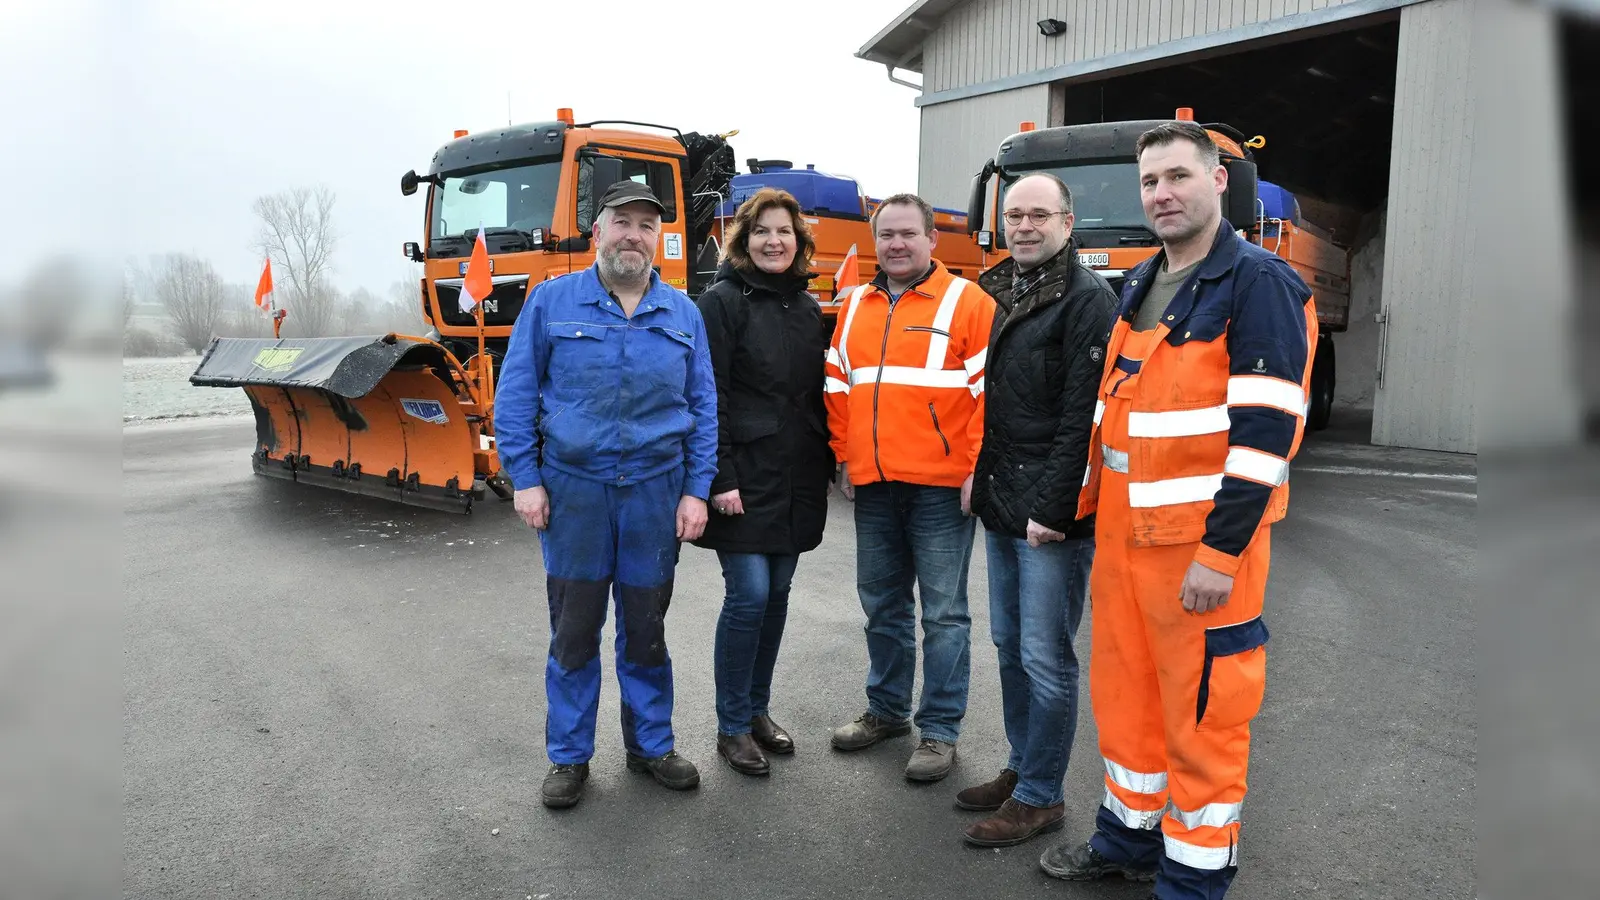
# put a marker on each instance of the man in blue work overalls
(606, 423)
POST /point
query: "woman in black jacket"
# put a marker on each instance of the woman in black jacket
(769, 500)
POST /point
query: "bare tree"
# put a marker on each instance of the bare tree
(405, 304)
(240, 317)
(358, 312)
(297, 234)
(192, 293)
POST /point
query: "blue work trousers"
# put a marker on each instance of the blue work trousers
(605, 539)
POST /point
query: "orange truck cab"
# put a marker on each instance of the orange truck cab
(533, 190)
(1098, 162)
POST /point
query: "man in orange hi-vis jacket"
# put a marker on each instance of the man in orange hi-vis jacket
(904, 390)
(1201, 408)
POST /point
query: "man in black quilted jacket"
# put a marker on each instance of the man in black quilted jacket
(1045, 358)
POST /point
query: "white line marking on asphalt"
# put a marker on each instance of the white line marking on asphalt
(1386, 473)
(1454, 495)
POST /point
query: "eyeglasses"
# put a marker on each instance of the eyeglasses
(1037, 216)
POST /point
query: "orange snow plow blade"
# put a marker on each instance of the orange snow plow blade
(388, 416)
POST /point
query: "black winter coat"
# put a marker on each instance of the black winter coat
(767, 350)
(1041, 380)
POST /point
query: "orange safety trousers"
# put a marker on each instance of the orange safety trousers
(1173, 692)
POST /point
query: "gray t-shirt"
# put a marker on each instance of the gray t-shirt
(1160, 296)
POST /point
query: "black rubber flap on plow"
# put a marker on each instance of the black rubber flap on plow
(348, 366)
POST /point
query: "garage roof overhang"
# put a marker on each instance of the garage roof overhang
(899, 44)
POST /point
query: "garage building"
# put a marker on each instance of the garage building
(1369, 112)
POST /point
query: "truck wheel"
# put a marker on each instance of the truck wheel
(1320, 408)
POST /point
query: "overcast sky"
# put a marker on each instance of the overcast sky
(149, 126)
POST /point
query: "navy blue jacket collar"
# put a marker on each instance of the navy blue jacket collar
(1218, 263)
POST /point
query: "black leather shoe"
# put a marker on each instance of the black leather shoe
(772, 738)
(742, 754)
(563, 785)
(671, 771)
(1081, 862)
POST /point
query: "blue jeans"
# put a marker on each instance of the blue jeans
(1036, 597)
(748, 634)
(908, 534)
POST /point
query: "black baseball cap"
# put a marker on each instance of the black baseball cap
(628, 191)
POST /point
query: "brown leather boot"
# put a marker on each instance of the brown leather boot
(988, 796)
(770, 736)
(1015, 823)
(742, 754)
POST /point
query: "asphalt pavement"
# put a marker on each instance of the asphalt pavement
(332, 696)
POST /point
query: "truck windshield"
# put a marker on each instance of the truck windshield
(523, 197)
(1104, 195)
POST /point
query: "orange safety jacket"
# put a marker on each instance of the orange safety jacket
(904, 380)
(1218, 409)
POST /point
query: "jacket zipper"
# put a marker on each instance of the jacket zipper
(937, 430)
(877, 386)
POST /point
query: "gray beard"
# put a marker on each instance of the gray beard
(613, 269)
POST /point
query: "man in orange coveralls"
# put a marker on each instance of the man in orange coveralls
(1202, 406)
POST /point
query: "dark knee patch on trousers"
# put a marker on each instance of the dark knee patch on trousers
(644, 613)
(577, 613)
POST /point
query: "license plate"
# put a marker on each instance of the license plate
(491, 267)
(1095, 260)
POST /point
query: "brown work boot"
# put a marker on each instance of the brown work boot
(867, 730)
(988, 796)
(1015, 823)
(931, 761)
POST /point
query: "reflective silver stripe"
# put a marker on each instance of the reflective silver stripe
(1116, 460)
(1172, 491)
(1145, 820)
(1214, 815)
(1178, 422)
(940, 378)
(1138, 782)
(977, 388)
(1088, 472)
(1264, 390)
(1196, 857)
(974, 364)
(1099, 411)
(834, 358)
(940, 345)
(1256, 466)
(844, 333)
(835, 386)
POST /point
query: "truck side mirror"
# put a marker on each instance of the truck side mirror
(1239, 200)
(408, 182)
(606, 171)
(413, 251)
(980, 184)
(986, 239)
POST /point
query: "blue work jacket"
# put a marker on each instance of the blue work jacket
(590, 392)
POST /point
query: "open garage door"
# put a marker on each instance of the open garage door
(1324, 101)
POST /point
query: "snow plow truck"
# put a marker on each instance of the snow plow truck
(410, 418)
(1098, 162)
